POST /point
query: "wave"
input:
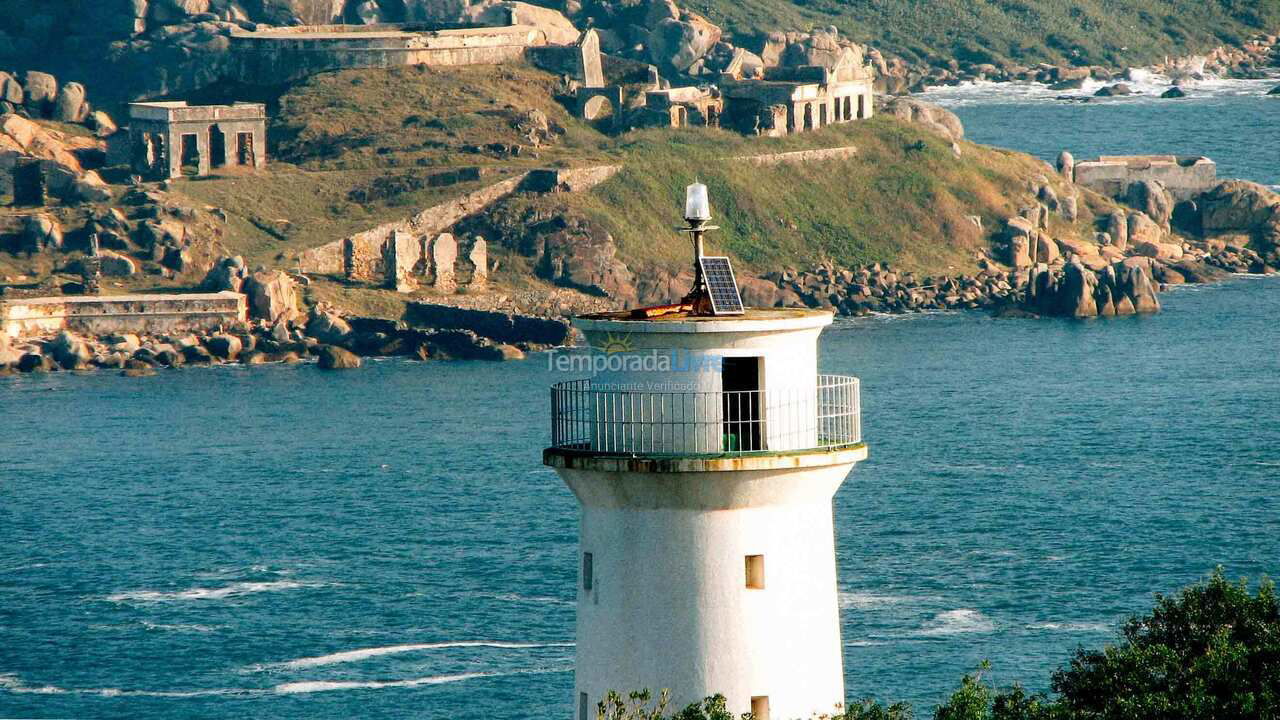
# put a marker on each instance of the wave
(863, 600)
(15, 685)
(179, 627)
(348, 656)
(1098, 627)
(202, 593)
(957, 622)
(534, 599)
(312, 686)
(1147, 87)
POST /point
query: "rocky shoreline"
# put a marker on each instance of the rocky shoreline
(324, 336)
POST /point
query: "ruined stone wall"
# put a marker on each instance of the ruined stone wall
(269, 58)
(801, 156)
(328, 258)
(1183, 177)
(122, 313)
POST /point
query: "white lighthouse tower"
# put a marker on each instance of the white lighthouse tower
(704, 450)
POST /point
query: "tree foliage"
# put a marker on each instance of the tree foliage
(1210, 652)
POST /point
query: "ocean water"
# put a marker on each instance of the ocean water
(280, 542)
(1233, 122)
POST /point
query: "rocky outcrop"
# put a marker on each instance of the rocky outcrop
(933, 118)
(331, 357)
(229, 273)
(1151, 197)
(1076, 291)
(58, 153)
(676, 44)
(272, 295)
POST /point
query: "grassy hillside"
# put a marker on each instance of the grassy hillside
(903, 198)
(1109, 32)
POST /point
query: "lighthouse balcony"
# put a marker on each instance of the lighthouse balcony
(822, 416)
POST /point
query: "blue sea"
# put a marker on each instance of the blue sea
(279, 542)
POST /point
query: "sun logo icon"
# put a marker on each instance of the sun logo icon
(616, 344)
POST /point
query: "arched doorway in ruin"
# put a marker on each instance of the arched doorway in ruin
(217, 147)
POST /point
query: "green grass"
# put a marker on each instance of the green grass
(1110, 32)
(903, 198)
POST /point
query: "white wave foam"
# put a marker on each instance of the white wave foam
(957, 622)
(864, 600)
(312, 686)
(15, 685)
(348, 656)
(201, 593)
(534, 599)
(179, 627)
(1147, 88)
(1097, 627)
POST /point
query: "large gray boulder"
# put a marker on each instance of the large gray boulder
(332, 357)
(41, 90)
(327, 327)
(272, 296)
(40, 232)
(10, 89)
(675, 45)
(1151, 197)
(69, 351)
(224, 346)
(70, 105)
(1077, 295)
(229, 273)
(935, 119)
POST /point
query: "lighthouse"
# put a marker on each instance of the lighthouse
(704, 449)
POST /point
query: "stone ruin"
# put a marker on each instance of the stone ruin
(166, 137)
(431, 260)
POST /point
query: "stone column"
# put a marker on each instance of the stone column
(479, 257)
(173, 152)
(444, 252)
(398, 260)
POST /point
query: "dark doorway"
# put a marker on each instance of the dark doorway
(244, 149)
(740, 381)
(190, 155)
(217, 147)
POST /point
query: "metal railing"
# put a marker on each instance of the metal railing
(826, 414)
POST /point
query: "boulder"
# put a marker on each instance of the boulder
(272, 296)
(1136, 284)
(1018, 225)
(557, 28)
(327, 326)
(1067, 165)
(229, 273)
(1077, 294)
(1143, 229)
(114, 264)
(1173, 92)
(101, 124)
(1070, 208)
(70, 105)
(584, 256)
(41, 90)
(1116, 90)
(224, 346)
(1118, 229)
(69, 351)
(1046, 249)
(39, 232)
(10, 89)
(674, 45)
(1151, 197)
(34, 362)
(90, 188)
(1237, 206)
(1019, 252)
(933, 118)
(1167, 252)
(332, 357)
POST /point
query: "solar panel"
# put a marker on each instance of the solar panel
(721, 286)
